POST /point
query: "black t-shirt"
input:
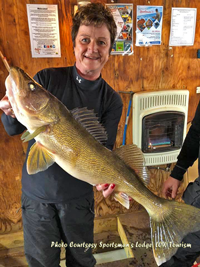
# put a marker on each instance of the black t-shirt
(54, 185)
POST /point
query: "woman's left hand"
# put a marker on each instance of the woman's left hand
(107, 189)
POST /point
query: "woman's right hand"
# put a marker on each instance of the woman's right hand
(6, 107)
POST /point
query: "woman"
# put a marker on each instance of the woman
(55, 205)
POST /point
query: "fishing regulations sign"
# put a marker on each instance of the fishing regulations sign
(44, 30)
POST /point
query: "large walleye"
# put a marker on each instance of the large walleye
(73, 141)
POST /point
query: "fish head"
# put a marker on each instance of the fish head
(29, 100)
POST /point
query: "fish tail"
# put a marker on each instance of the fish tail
(168, 228)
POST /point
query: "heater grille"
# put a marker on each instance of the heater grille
(147, 102)
(161, 159)
(156, 102)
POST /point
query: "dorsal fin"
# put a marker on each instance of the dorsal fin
(133, 157)
(89, 120)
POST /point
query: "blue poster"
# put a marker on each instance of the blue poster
(149, 25)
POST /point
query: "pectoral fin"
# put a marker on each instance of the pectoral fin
(27, 136)
(39, 159)
(123, 199)
(24, 135)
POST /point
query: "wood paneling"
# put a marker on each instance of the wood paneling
(149, 68)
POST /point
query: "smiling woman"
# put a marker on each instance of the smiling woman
(92, 45)
(93, 35)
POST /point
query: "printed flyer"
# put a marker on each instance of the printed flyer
(44, 30)
(183, 26)
(123, 15)
(149, 25)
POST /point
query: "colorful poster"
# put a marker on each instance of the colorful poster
(123, 15)
(183, 26)
(44, 30)
(149, 25)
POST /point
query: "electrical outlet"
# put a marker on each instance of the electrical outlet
(198, 90)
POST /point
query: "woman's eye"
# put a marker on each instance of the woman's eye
(102, 43)
(85, 40)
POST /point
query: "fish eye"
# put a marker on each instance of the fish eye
(31, 86)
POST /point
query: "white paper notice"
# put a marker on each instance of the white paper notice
(183, 25)
(44, 30)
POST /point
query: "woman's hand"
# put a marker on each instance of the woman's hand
(107, 189)
(6, 107)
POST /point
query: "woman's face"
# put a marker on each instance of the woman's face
(92, 45)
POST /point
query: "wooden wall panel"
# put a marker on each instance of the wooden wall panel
(149, 68)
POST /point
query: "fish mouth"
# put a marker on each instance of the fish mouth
(16, 80)
(14, 77)
(11, 92)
